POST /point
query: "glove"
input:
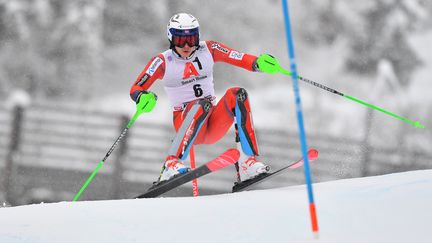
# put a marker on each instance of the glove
(267, 64)
(146, 101)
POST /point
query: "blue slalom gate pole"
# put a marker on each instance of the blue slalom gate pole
(302, 132)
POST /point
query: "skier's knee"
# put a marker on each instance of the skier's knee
(235, 94)
(205, 104)
(241, 94)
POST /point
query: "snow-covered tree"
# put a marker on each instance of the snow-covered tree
(374, 30)
(51, 48)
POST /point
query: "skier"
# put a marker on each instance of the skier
(186, 72)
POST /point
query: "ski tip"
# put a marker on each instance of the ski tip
(312, 153)
(233, 153)
(229, 157)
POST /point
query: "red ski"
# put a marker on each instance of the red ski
(229, 157)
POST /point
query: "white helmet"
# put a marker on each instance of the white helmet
(182, 24)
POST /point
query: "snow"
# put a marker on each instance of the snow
(18, 98)
(389, 208)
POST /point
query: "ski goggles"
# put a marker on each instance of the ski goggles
(182, 37)
(180, 41)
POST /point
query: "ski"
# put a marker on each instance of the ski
(312, 155)
(229, 157)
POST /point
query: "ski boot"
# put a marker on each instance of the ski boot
(251, 168)
(172, 167)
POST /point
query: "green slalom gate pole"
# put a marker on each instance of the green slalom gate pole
(278, 69)
(146, 104)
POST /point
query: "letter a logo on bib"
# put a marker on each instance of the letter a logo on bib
(189, 70)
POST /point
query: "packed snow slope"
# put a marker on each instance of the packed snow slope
(391, 208)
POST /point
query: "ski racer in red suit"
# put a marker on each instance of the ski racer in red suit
(186, 72)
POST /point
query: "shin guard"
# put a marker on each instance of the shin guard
(244, 122)
(189, 129)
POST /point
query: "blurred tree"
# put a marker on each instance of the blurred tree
(386, 30)
(129, 23)
(52, 47)
(324, 23)
(374, 30)
(3, 27)
(375, 35)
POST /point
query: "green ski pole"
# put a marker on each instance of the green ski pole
(145, 104)
(271, 65)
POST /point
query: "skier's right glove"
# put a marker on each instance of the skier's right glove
(267, 63)
(146, 101)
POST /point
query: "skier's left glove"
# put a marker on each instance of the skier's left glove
(146, 101)
(267, 63)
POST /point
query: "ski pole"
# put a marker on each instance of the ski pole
(278, 69)
(146, 104)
